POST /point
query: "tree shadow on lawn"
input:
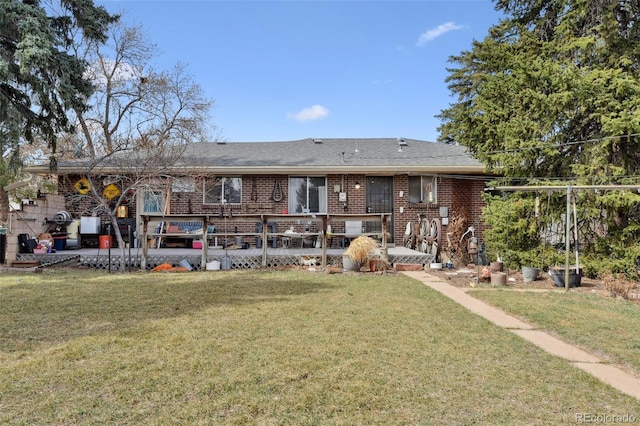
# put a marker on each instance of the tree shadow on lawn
(66, 306)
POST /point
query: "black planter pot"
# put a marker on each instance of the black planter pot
(557, 275)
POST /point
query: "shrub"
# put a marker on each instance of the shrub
(617, 285)
(361, 248)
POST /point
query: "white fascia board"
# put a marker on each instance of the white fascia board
(305, 170)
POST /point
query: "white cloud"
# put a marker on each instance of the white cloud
(315, 112)
(436, 32)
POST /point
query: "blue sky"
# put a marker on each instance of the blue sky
(288, 70)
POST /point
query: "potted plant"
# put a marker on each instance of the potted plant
(558, 276)
(531, 263)
(359, 251)
(572, 277)
(530, 273)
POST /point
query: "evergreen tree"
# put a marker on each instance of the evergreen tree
(553, 93)
(40, 80)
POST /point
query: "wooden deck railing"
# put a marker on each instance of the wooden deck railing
(322, 221)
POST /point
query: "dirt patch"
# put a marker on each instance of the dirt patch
(471, 276)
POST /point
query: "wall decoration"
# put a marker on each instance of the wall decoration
(83, 186)
(111, 191)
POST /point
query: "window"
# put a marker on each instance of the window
(307, 195)
(423, 189)
(223, 188)
(152, 201)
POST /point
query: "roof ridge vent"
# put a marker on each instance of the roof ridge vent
(221, 142)
(317, 141)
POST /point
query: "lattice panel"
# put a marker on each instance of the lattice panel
(238, 261)
(46, 259)
(30, 257)
(421, 259)
(153, 261)
(104, 262)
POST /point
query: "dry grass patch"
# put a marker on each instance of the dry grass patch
(617, 285)
(243, 347)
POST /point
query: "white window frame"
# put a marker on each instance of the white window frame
(428, 185)
(220, 181)
(295, 207)
(151, 200)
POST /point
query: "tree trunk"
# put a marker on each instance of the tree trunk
(119, 239)
(4, 207)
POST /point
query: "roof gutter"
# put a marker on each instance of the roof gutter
(262, 170)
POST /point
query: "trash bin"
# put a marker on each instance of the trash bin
(26, 244)
(226, 262)
(59, 243)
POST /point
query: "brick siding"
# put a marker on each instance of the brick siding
(461, 196)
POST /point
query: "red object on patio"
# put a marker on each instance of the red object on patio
(105, 241)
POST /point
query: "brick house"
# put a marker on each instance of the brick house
(404, 177)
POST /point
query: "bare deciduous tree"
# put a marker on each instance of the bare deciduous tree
(133, 105)
(138, 123)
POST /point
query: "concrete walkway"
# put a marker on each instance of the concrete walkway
(590, 363)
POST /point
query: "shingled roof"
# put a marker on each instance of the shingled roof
(356, 155)
(335, 155)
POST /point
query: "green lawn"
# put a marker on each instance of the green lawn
(239, 347)
(605, 326)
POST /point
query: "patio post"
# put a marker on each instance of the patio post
(265, 241)
(145, 242)
(205, 243)
(325, 220)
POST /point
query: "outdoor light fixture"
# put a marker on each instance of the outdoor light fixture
(357, 185)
